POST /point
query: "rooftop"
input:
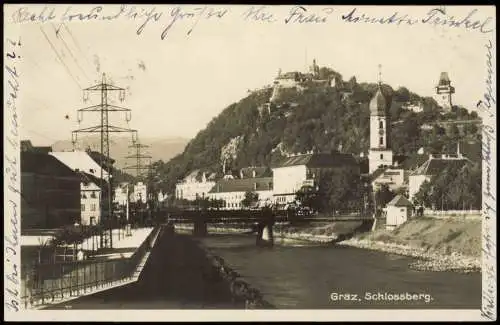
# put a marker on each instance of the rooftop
(40, 163)
(248, 172)
(88, 178)
(436, 165)
(319, 160)
(444, 80)
(243, 185)
(379, 104)
(400, 201)
(79, 161)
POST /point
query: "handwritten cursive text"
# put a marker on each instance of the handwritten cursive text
(11, 162)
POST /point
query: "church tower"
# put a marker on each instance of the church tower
(380, 153)
(444, 91)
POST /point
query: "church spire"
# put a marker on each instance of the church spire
(379, 75)
(379, 104)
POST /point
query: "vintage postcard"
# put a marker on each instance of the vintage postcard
(249, 162)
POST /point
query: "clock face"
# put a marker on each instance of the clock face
(381, 132)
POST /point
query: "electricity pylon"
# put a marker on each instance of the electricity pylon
(139, 157)
(104, 128)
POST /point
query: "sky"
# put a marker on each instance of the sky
(175, 86)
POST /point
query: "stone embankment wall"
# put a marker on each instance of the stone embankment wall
(242, 293)
(450, 244)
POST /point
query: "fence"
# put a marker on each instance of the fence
(451, 213)
(51, 282)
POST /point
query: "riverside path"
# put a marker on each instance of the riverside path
(173, 278)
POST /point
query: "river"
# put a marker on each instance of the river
(306, 276)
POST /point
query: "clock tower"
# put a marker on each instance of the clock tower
(380, 153)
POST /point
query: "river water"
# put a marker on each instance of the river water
(326, 277)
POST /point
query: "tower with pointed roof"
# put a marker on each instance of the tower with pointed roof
(444, 92)
(380, 153)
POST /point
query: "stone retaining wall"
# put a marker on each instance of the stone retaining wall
(243, 294)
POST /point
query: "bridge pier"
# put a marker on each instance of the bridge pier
(265, 235)
(200, 226)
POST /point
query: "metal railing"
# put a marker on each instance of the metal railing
(47, 283)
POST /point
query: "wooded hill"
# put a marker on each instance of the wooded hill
(322, 119)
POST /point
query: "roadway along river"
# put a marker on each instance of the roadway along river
(305, 277)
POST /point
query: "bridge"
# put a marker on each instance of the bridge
(261, 221)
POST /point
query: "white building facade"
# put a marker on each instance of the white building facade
(190, 188)
(394, 178)
(232, 191)
(301, 170)
(287, 181)
(398, 211)
(90, 200)
(121, 194)
(140, 193)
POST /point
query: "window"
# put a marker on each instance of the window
(92, 195)
(83, 207)
(381, 125)
(92, 221)
(92, 207)
(381, 156)
(381, 140)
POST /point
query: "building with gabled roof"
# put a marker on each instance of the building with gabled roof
(395, 178)
(296, 171)
(433, 167)
(93, 189)
(232, 191)
(50, 192)
(398, 211)
(80, 161)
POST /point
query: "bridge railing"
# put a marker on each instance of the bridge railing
(242, 216)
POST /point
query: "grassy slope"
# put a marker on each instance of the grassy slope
(435, 235)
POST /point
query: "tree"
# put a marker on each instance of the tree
(338, 190)
(308, 197)
(423, 197)
(352, 83)
(470, 129)
(251, 198)
(383, 196)
(402, 94)
(454, 132)
(456, 188)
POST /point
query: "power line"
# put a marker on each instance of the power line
(76, 43)
(60, 59)
(59, 36)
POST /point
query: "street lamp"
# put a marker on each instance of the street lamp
(77, 238)
(127, 226)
